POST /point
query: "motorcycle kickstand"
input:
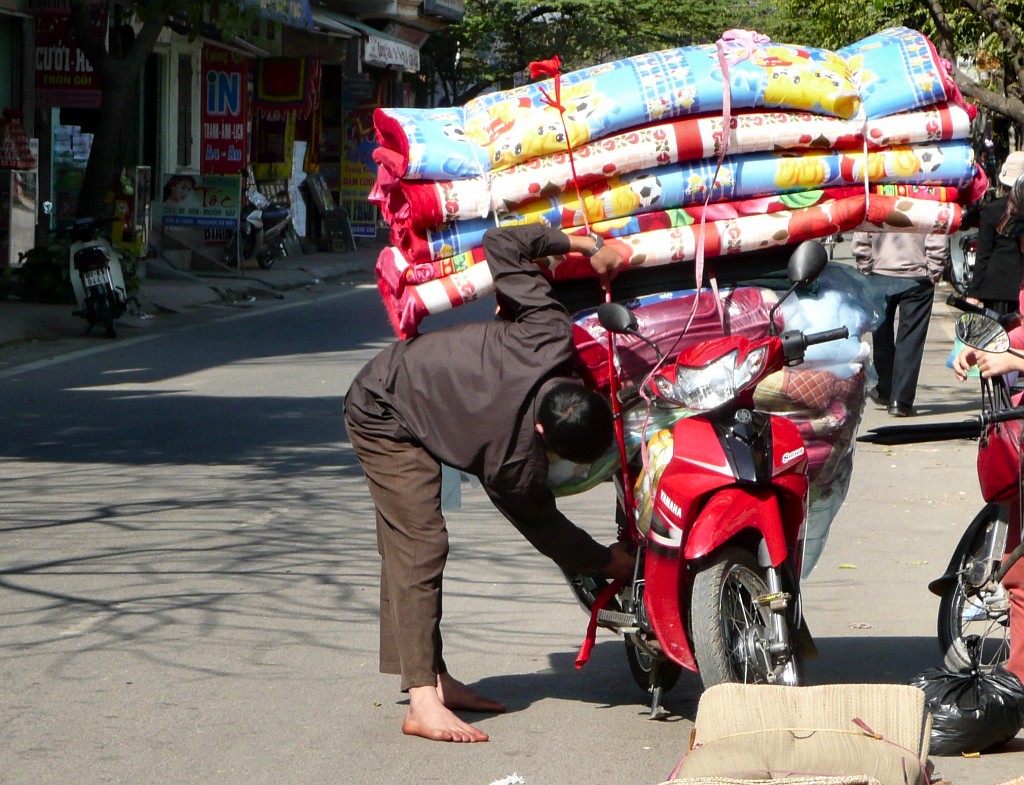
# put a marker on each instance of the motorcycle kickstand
(657, 712)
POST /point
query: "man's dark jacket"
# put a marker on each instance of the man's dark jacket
(468, 394)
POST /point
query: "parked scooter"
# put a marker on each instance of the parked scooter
(717, 584)
(961, 263)
(261, 231)
(96, 276)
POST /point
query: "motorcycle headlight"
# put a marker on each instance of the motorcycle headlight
(712, 385)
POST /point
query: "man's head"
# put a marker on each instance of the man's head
(575, 422)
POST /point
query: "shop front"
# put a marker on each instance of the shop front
(18, 152)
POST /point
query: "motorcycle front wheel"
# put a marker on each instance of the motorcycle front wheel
(967, 611)
(730, 629)
(642, 665)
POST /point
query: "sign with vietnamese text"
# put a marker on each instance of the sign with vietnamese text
(64, 76)
(202, 201)
(384, 52)
(225, 111)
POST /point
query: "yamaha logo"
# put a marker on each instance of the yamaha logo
(673, 508)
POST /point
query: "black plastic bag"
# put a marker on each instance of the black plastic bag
(971, 710)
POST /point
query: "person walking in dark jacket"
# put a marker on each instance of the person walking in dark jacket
(490, 399)
(998, 267)
(908, 265)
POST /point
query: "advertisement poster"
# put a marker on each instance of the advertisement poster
(202, 201)
(358, 169)
(64, 76)
(225, 111)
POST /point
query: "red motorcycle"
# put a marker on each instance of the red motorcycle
(717, 584)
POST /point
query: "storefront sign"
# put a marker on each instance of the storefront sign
(384, 52)
(203, 201)
(225, 111)
(358, 169)
(295, 13)
(452, 10)
(64, 77)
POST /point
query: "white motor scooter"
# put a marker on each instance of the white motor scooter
(96, 276)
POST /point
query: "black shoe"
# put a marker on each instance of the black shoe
(897, 409)
(877, 397)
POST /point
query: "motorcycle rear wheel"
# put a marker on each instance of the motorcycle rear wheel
(102, 311)
(728, 625)
(966, 611)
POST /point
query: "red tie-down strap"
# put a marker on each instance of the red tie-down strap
(600, 601)
(553, 68)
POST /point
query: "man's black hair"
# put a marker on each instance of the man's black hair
(577, 422)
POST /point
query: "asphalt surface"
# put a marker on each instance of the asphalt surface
(189, 596)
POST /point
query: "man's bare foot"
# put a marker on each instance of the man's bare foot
(430, 718)
(456, 695)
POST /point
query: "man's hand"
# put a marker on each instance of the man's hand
(606, 260)
(622, 563)
(606, 263)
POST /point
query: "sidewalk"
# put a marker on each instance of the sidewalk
(36, 331)
(167, 293)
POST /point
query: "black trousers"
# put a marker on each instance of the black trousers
(898, 349)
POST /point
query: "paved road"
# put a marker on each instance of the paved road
(188, 578)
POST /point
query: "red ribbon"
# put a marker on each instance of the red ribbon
(553, 68)
(600, 601)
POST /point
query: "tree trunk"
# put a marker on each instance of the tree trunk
(106, 157)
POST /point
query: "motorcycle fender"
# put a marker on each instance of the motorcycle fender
(730, 512)
(987, 513)
(667, 580)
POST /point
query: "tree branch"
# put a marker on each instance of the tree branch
(1007, 106)
(999, 23)
(947, 45)
(84, 34)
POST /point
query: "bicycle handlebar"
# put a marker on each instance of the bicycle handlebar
(1002, 415)
(961, 303)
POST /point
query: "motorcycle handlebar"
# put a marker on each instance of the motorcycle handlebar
(628, 395)
(837, 334)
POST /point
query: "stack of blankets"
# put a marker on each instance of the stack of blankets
(677, 157)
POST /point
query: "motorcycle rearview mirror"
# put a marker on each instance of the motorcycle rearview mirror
(617, 318)
(982, 332)
(806, 263)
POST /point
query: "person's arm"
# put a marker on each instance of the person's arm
(990, 364)
(521, 285)
(860, 246)
(936, 254)
(552, 534)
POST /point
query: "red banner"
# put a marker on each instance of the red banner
(225, 111)
(64, 76)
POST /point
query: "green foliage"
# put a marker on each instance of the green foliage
(498, 39)
(44, 273)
